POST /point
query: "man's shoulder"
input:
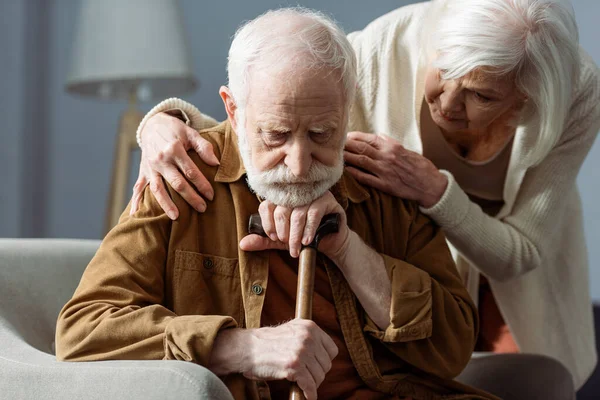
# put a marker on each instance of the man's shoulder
(374, 199)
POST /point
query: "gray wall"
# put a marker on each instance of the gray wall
(56, 149)
(587, 13)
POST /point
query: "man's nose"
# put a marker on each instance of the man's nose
(452, 100)
(299, 158)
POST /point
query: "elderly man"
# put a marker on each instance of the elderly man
(391, 317)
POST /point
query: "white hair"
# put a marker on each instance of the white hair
(290, 35)
(536, 41)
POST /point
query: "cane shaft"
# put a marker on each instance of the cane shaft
(306, 282)
(304, 295)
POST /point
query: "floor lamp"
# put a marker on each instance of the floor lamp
(133, 50)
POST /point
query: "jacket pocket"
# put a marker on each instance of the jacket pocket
(205, 284)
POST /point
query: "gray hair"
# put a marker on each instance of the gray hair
(313, 38)
(535, 40)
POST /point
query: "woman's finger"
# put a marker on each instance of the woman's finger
(371, 139)
(367, 179)
(363, 162)
(138, 189)
(181, 185)
(360, 147)
(193, 174)
(202, 146)
(162, 197)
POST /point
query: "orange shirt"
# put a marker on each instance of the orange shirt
(342, 381)
(494, 334)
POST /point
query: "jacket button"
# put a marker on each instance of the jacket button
(208, 263)
(257, 289)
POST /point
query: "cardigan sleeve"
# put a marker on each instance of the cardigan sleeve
(520, 242)
(190, 113)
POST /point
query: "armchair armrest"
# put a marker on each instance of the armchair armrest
(126, 380)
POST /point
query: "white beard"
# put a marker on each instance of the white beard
(280, 186)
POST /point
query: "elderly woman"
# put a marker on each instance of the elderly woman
(484, 111)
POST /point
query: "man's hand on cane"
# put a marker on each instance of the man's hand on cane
(290, 229)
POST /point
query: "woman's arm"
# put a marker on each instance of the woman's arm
(165, 135)
(501, 249)
(507, 248)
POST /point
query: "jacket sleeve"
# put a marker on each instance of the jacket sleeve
(118, 311)
(433, 321)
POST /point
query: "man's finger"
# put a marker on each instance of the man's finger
(181, 185)
(281, 215)
(193, 174)
(313, 219)
(316, 370)
(266, 209)
(257, 243)
(305, 382)
(329, 345)
(297, 226)
(324, 360)
(202, 146)
(162, 197)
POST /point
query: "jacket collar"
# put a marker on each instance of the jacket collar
(232, 169)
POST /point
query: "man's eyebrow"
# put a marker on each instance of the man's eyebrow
(273, 127)
(323, 127)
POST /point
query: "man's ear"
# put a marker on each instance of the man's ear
(230, 105)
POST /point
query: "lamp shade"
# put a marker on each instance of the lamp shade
(133, 46)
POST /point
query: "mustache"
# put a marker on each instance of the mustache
(281, 174)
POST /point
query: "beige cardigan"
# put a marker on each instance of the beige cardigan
(534, 251)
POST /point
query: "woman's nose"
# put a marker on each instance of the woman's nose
(452, 101)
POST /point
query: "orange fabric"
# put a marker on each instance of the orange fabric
(494, 334)
(342, 381)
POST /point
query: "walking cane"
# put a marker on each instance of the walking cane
(306, 272)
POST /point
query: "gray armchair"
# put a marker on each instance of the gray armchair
(37, 277)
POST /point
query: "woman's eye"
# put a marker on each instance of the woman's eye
(481, 97)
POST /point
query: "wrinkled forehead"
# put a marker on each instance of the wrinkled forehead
(296, 91)
(488, 78)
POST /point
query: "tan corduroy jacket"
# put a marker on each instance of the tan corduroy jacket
(162, 289)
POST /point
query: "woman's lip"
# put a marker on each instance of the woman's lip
(449, 119)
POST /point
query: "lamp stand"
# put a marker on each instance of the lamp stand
(124, 146)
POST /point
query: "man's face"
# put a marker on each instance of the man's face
(291, 135)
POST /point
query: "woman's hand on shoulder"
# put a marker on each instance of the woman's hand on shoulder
(165, 142)
(383, 163)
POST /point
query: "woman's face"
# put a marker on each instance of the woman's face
(472, 103)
